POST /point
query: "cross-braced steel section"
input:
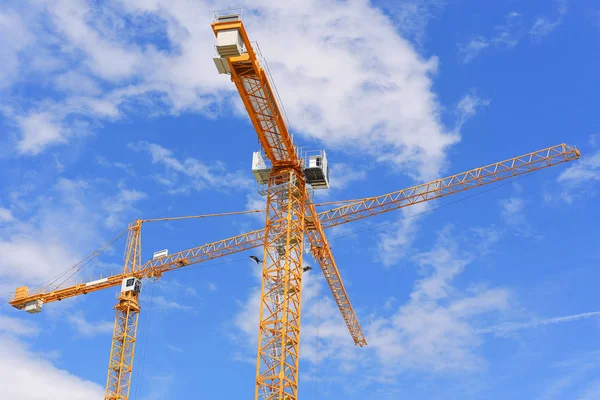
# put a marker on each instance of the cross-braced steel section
(122, 350)
(120, 365)
(279, 329)
(443, 187)
(321, 252)
(264, 112)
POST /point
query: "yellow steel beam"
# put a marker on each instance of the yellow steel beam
(322, 253)
(359, 209)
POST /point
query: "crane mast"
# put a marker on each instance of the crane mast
(127, 309)
(286, 192)
(290, 215)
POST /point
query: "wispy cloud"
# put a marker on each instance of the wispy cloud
(5, 215)
(88, 328)
(544, 26)
(578, 180)
(586, 170)
(183, 175)
(28, 375)
(512, 210)
(105, 73)
(435, 330)
(343, 175)
(411, 17)
(396, 239)
(122, 202)
(165, 304)
(17, 326)
(507, 36)
(467, 108)
(506, 328)
(173, 348)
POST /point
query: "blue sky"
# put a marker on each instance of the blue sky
(114, 110)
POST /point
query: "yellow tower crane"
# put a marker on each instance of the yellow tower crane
(127, 308)
(290, 216)
(285, 179)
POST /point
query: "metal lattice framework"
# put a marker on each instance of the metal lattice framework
(120, 366)
(438, 188)
(279, 327)
(290, 216)
(281, 292)
(127, 310)
(321, 252)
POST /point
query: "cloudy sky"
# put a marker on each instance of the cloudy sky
(112, 110)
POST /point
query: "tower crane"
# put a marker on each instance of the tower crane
(290, 216)
(127, 308)
(286, 179)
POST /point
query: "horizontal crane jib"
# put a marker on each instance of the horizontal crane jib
(152, 268)
(340, 215)
(453, 184)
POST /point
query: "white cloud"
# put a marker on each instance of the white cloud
(507, 36)
(472, 49)
(343, 175)
(106, 57)
(467, 108)
(173, 348)
(586, 170)
(544, 26)
(578, 180)
(211, 287)
(396, 240)
(185, 174)
(512, 210)
(88, 328)
(77, 82)
(102, 161)
(25, 375)
(435, 330)
(591, 392)
(335, 84)
(39, 130)
(122, 202)
(164, 304)
(506, 328)
(578, 379)
(411, 17)
(17, 326)
(28, 376)
(60, 227)
(15, 38)
(5, 215)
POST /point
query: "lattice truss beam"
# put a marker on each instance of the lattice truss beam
(336, 216)
(438, 188)
(259, 99)
(279, 329)
(321, 252)
(120, 365)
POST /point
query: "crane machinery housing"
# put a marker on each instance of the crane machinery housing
(286, 179)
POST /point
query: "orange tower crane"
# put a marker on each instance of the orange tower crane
(127, 308)
(290, 213)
